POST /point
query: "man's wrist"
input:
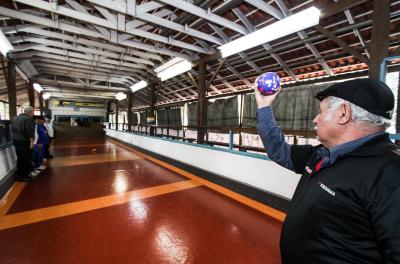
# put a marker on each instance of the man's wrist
(265, 114)
(264, 109)
(263, 105)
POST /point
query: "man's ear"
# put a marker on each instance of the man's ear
(344, 112)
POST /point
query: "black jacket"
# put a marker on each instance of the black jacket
(23, 127)
(348, 212)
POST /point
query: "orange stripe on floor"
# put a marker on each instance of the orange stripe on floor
(9, 198)
(78, 146)
(92, 158)
(236, 196)
(38, 215)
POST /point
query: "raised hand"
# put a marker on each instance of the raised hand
(263, 101)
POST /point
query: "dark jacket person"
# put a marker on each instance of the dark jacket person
(23, 134)
(346, 207)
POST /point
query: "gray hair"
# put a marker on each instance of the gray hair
(358, 114)
(29, 109)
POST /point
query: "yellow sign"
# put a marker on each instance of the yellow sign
(80, 104)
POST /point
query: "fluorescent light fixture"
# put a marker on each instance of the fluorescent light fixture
(5, 45)
(120, 96)
(27, 67)
(168, 64)
(299, 21)
(46, 96)
(38, 88)
(21, 73)
(137, 86)
(173, 68)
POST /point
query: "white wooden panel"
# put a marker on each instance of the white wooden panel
(258, 173)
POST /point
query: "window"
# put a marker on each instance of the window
(4, 111)
(392, 80)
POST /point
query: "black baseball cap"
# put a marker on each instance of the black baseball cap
(371, 95)
(39, 117)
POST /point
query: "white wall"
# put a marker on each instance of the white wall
(82, 111)
(256, 172)
(8, 161)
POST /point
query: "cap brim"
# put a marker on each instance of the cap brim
(323, 94)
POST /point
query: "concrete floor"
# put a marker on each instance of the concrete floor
(101, 202)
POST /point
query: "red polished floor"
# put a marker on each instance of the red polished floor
(81, 182)
(192, 225)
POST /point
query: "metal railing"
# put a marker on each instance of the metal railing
(5, 133)
(232, 136)
(233, 140)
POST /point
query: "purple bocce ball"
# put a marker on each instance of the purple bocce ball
(269, 83)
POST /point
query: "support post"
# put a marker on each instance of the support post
(380, 37)
(201, 103)
(31, 93)
(108, 111)
(123, 122)
(151, 115)
(130, 103)
(116, 113)
(12, 92)
(41, 107)
(46, 106)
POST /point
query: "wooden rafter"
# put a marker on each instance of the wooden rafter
(341, 6)
(346, 47)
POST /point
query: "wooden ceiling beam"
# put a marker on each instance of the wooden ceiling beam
(379, 36)
(338, 7)
(346, 47)
(215, 73)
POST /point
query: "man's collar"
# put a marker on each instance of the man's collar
(377, 146)
(372, 145)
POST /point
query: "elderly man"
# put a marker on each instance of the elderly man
(23, 134)
(346, 207)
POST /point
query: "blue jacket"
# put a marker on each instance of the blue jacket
(43, 139)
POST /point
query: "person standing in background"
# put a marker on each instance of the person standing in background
(23, 133)
(50, 134)
(40, 145)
